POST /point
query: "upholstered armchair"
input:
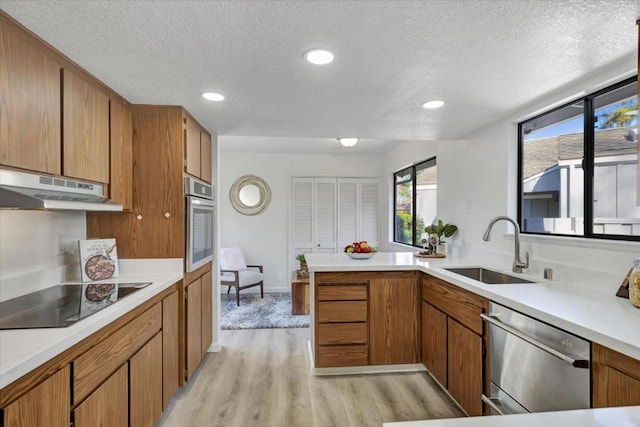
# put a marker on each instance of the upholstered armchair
(236, 272)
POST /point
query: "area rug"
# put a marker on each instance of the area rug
(272, 311)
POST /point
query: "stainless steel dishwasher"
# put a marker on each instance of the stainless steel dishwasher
(534, 367)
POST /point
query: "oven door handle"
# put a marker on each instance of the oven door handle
(576, 363)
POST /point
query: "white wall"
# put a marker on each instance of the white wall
(264, 238)
(477, 180)
(29, 244)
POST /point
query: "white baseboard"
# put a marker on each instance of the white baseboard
(214, 348)
(256, 290)
(352, 370)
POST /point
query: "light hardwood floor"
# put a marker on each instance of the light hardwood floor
(261, 378)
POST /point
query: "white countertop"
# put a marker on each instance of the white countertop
(583, 303)
(611, 417)
(22, 350)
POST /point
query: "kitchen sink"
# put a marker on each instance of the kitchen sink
(489, 277)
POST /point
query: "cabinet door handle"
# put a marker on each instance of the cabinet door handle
(139, 217)
(167, 215)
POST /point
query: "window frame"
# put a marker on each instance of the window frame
(413, 168)
(588, 164)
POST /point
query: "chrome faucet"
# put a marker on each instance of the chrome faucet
(518, 265)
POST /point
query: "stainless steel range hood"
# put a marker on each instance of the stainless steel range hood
(19, 190)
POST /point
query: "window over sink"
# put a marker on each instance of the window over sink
(578, 167)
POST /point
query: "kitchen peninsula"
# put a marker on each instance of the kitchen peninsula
(366, 317)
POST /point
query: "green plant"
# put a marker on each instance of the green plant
(441, 230)
(300, 258)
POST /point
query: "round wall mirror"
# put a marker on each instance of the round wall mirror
(250, 195)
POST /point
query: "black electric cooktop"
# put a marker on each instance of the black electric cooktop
(62, 305)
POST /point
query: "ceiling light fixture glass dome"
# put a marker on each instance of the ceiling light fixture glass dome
(348, 142)
(212, 96)
(430, 105)
(318, 56)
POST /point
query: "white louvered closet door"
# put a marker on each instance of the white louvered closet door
(325, 215)
(368, 212)
(303, 212)
(347, 212)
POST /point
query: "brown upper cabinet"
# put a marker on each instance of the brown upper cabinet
(197, 147)
(121, 176)
(205, 157)
(85, 127)
(30, 110)
(55, 118)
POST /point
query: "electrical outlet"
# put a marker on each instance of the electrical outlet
(61, 244)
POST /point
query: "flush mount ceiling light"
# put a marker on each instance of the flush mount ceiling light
(318, 56)
(212, 96)
(432, 104)
(348, 142)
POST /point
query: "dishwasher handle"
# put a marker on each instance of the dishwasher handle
(488, 401)
(576, 363)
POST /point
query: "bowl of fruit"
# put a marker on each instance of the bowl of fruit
(360, 250)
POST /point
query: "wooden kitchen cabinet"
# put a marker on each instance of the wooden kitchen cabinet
(55, 118)
(108, 405)
(192, 147)
(341, 325)
(197, 150)
(145, 379)
(393, 319)
(85, 126)
(30, 111)
(365, 318)
(616, 378)
(197, 155)
(464, 367)
(206, 162)
(114, 377)
(207, 312)
(121, 163)
(434, 342)
(193, 326)
(47, 405)
(453, 340)
(170, 347)
(198, 314)
(155, 227)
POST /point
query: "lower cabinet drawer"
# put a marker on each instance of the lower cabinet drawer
(342, 333)
(342, 355)
(342, 292)
(342, 311)
(93, 367)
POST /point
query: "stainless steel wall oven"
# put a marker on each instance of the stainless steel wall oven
(200, 223)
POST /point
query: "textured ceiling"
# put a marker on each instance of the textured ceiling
(485, 59)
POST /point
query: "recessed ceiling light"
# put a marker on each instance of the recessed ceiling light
(212, 96)
(348, 142)
(432, 104)
(319, 56)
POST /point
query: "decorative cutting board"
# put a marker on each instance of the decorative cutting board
(419, 255)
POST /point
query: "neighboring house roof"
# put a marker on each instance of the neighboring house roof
(544, 153)
(427, 177)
